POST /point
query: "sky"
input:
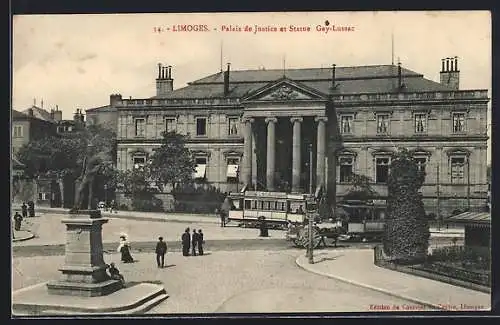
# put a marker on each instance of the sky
(77, 61)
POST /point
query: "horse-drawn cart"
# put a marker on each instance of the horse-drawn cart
(299, 234)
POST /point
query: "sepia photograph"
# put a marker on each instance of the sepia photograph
(286, 163)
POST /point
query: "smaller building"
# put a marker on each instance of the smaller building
(477, 227)
(107, 115)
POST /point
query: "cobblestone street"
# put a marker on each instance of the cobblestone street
(227, 282)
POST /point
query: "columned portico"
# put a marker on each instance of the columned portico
(320, 150)
(296, 159)
(271, 150)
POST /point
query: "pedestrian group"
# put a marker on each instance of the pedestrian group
(194, 242)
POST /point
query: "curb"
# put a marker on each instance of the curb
(42, 211)
(387, 292)
(28, 237)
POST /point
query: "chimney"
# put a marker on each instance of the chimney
(450, 75)
(115, 99)
(334, 85)
(57, 114)
(226, 80)
(52, 114)
(76, 115)
(30, 112)
(164, 82)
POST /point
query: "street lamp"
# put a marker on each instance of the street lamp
(309, 211)
(106, 194)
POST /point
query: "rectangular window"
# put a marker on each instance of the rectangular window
(382, 170)
(18, 131)
(140, 127)
(248, 204)
(169, 124)
(457, 169)
(346, 124)
(346, 169)
(139, 161)
(458, 122)
(382, 123)
(421, 161)
(42, 196)
(201, 126)
(233, 165)
(233, 126)
(420, 123)
(201, 167)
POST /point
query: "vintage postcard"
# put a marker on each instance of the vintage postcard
(256, 163)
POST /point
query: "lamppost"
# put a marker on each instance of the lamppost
(106, 194)
(309, 211)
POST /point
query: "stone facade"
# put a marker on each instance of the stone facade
(264, 128)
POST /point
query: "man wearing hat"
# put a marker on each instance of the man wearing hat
(161, 250)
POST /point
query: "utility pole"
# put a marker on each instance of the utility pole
(310, 212)
(437, 196)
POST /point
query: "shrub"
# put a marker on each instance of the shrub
(406, 231)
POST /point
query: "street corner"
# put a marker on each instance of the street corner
(22, 235)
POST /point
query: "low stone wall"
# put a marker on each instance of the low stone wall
(381, 260)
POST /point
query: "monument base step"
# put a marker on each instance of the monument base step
(136, 299)
(83, 289)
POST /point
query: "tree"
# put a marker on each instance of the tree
(65, 157)
(406, 231)
(172, 163)
(136, 184)
(361, 189)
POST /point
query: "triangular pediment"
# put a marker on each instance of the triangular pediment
(285, 90)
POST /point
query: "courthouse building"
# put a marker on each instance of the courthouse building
(256, 129)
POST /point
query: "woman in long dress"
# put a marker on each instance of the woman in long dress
(124, 249)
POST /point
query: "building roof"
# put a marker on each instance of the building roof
(349, 80)
(17, 114)
(106, 108)
(40, 113)
(471, 218)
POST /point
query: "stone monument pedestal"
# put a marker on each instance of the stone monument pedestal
(84, 286)
(84, 269)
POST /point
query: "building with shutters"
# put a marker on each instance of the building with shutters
(258, 129)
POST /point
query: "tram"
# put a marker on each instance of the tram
(278, 208)
(366, 219)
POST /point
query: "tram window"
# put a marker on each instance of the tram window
(283, 206)
(265, 205)
(254, 204)
(248, 204)
(261, 205)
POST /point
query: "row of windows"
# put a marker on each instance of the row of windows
(420, 123)
(201, 162)
(382, 165)
(201, 126)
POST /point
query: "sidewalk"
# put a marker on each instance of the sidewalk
(138, 215)
(356, 267)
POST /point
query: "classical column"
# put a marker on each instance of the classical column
(271, 142)
(254, 161)
(296, 121)
(320, 150)
(246, 170)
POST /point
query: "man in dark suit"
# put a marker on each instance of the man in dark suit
(186, 242)
(194, 239)
(161, 250)
(201, 241)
